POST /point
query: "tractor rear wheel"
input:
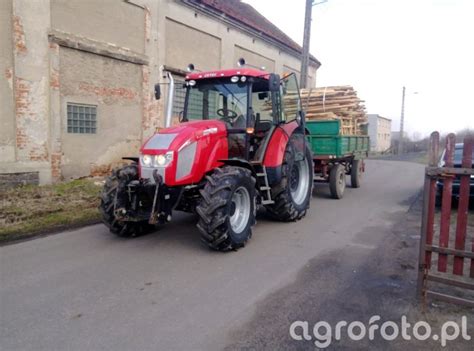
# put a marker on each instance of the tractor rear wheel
(292, 195)
(110, 192)
(227, 208)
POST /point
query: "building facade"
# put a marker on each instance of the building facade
(379, 133)
(78, 89)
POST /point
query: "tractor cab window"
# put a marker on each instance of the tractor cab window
(262, 118)
(214, 99)
(290, 98)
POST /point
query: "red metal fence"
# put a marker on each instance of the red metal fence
(444, 234)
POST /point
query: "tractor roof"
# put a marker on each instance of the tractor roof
(249, 72)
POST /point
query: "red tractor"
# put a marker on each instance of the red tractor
(240, 144)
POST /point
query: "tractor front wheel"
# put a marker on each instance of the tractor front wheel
(227, 208)
(115, 188)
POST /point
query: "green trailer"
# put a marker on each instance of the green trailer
(336, 155)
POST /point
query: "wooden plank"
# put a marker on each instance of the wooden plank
(337, 102)
(452, 282)
(433, 160)
(449, 251)
(448, 171)
(461, 223)
(471, 274)
(424, 259)
(449, 298)
(446, 204)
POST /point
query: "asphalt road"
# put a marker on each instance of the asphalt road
(88, 290)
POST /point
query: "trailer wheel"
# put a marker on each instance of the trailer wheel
(356, 173)
(110, 191)
(337, 181)
(227, 208)
(292, 195)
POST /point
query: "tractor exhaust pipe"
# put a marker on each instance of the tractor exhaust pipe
(169, 101)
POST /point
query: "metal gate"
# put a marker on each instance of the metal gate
(446, 258)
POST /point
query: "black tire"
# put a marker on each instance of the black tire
(218, 204)
(107, 199)
(337, 181)
(285, 208)
(356, 173)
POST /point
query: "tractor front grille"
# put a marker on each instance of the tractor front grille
(147, 173)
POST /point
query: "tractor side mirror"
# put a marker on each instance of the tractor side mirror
(157, 91)
(181, 117)
(300, 119)
(274, 82)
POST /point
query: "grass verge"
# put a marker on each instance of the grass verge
(32, 210)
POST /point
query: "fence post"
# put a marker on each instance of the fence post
(427, 217)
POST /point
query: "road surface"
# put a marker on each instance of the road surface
(88, 290)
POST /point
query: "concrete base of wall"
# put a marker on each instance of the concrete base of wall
(43, 169)
(11, 180)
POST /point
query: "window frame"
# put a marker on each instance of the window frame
(75, 124)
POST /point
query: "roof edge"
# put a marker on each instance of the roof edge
(250, 30)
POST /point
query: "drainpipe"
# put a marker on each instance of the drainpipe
(169, 102)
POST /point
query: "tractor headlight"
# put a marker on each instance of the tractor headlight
(160, 160)
(146, 160)
(157, 160)
(163, 160)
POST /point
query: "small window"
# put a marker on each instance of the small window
(81, 119)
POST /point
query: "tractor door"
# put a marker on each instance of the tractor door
(288, 120)
(292, 115)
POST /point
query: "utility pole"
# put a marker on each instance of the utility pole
(402, 118)
(306, 37)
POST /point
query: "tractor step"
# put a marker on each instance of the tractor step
(264, 188)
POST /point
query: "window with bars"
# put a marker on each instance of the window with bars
(81, 118)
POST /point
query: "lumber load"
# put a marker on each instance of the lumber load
(330, 103)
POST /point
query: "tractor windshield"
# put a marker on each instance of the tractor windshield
(217, 99)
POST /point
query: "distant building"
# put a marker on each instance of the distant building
(78, 76)
(379, 132)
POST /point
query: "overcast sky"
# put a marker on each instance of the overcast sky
(378, 46)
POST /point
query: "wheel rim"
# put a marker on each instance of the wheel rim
(240, 209)
(342, 180)
(299, 181)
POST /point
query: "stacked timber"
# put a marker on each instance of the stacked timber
(332, 103)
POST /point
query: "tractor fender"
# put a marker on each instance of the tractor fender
(277, 145)
(239, 163)
(217, 151)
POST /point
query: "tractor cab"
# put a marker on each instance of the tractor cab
(250, 102)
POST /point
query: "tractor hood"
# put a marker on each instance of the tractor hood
(174, 138)
(182, 155)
